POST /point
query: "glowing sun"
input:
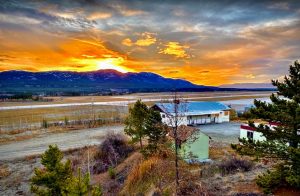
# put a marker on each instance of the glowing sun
(112, 63)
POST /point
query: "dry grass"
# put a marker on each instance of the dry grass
(4, 171)
(141, 172)
(16, 122)
(113, 186)
(21, 119)
(153, 171)
(219, 152)
(246, 187)
(238, 179)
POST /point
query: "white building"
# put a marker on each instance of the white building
(193, 113)
(248, 132)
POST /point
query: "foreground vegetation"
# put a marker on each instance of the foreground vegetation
(282, 141)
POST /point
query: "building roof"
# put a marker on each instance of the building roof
(183, 132)
(193, 108)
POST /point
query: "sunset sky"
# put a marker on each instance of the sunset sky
(204, 42)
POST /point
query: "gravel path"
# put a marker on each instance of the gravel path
(64, 141)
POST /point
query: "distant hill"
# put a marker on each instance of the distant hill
(249, 86)
(90, 82)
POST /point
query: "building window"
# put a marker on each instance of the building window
(163, 116)
(226, 113)
(250, 135)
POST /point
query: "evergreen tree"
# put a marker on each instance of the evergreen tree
(154, 130)
(135, 122)
(282, 141)
(79, 185)
(54, 178)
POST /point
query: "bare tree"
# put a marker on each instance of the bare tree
(175, 112)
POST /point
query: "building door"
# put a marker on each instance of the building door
(250, 135)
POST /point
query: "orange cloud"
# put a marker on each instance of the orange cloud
(174, 48)
(146, 39)
(99, 15)
(127, 42)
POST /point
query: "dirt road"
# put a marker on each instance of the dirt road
(68, 140)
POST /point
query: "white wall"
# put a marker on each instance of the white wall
(224, 116)
(170, 121)
(199, 119)
(257, 136)
(196, 119)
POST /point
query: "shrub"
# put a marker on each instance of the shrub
(247, 115)
(112, 172)
(111, 152)
(234, 164)
(268, 181)
(45, 123)
(66, 121)
(233, 114)
(190, 187)
(282, 175)
(97, 191)
(4, 171)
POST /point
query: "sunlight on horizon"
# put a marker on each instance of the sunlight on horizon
(112, 63)
(94, 64)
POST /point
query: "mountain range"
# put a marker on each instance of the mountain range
(91, 82)
(104, 81)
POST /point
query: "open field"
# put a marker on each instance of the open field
(18, 117)
(33, 118)
(147, 97)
